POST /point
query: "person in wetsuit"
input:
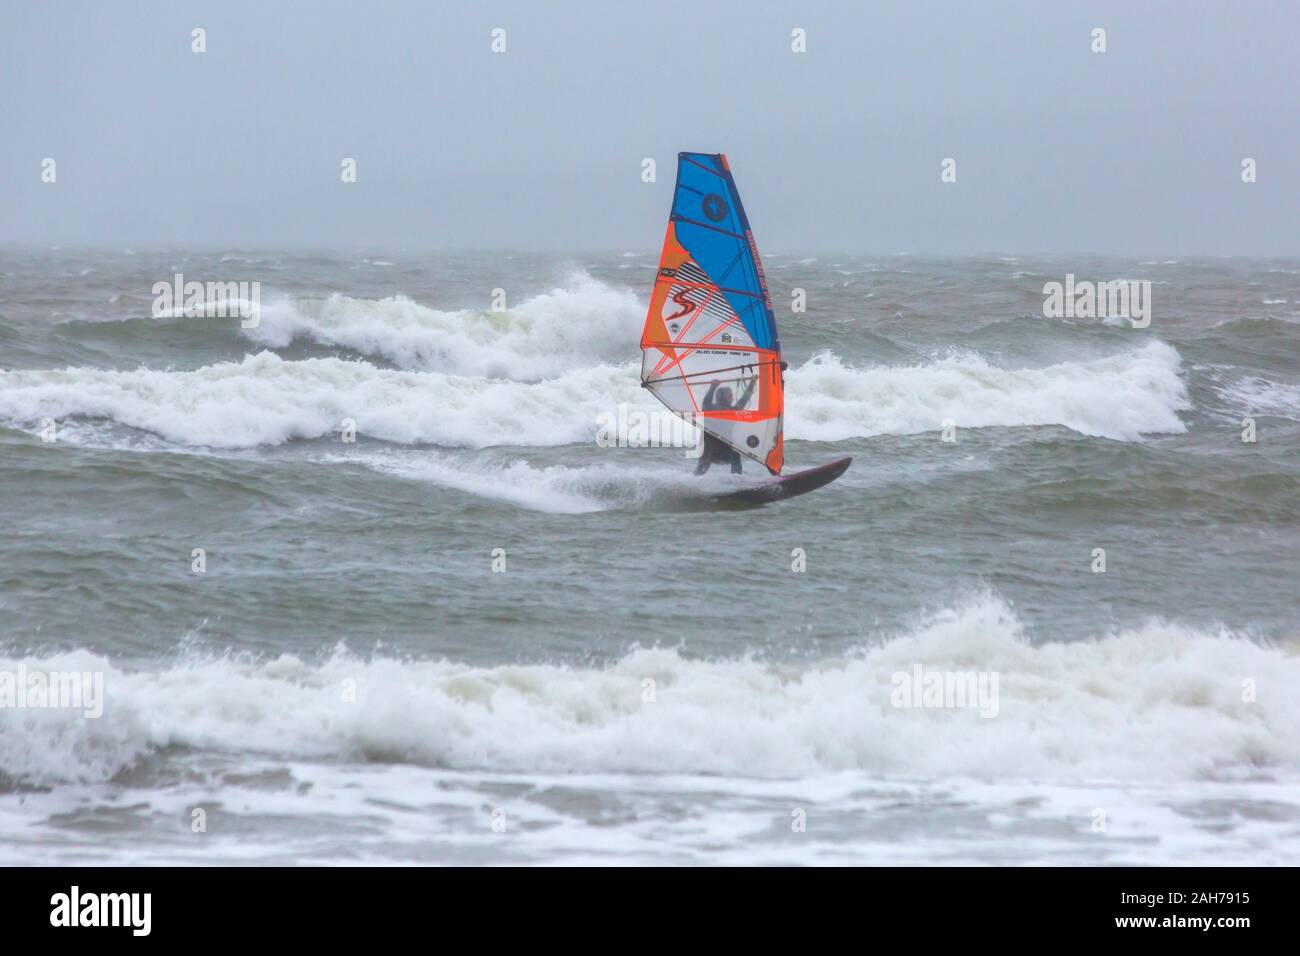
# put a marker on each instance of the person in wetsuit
(718, 399)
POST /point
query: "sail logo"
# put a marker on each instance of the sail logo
(24, 689)
(132, 910)
(684, 304)
(1117, 299)
(640, 428)
(946, 690)
(211, 299)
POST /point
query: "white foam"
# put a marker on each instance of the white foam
(585, 324)
(557, 489)
(624, 480)
(1122, 396)
(266, 400)
(1160, 703)
(1251, 395)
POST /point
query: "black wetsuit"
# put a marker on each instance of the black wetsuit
(715, 449)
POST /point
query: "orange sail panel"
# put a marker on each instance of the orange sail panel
(709, 348)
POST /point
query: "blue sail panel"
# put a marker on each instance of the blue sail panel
(712, 226)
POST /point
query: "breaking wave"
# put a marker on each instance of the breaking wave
(543, 337)
(1162, 702)
(267, 400)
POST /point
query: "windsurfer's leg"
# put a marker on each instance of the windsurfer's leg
(712, 452)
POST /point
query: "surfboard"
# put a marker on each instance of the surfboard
(787, 486)
(709, 348)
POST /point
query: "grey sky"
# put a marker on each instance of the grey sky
(1137, 150)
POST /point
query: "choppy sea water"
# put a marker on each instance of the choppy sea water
(350, 681)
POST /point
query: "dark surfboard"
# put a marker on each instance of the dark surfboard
(787, 486)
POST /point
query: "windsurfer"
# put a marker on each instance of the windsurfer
(719, 399)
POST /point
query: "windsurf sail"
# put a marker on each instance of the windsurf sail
(709, 348)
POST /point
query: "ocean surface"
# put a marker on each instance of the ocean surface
(348, 679)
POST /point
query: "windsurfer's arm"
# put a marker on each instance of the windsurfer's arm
(745, 396)
(708, 396)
